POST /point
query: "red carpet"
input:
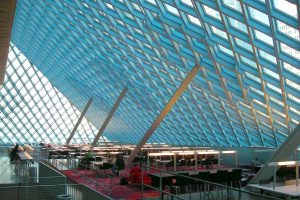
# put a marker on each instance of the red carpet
(128, 192)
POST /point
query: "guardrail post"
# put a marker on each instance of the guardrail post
(26, 188)
(160, 185)
(110, 185)
(274, 177)
(205, 190)
(142, 185)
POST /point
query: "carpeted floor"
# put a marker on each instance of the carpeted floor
(111, 186)
(105, 185)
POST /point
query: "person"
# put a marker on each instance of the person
(255, 162)
(14, 153)
(255, 165)
(119, 165)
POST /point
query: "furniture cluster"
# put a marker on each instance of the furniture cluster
(19, 153)
(188, 181)
(285, 180)
(186, 160)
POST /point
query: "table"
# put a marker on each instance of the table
(114, 153)
(166, 179)
(101, 153)
(101, 157)
(25, 156)
(289, 191)
(163, 162)
(80, 157)
(96, 163)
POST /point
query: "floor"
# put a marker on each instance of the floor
(12, 173)
(133, 192)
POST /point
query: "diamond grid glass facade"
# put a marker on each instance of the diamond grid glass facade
(247, 92)
(32, 110)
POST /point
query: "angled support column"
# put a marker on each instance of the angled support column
(7, 13)
(163, 113)
(79, 120)
(108, 118)
(282, 154)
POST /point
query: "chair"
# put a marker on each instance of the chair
(145, 179)
(193, 184)
(170, 165)
(290, 172)
(139, 178)
(134, 177)
(190, 163)
(182, 163)
(205, 163)
(235, 178)
(201, 186)
(181, 183)
(135, 174)
(193, 162)
(214, 162)
(106, 166)
(222, 177)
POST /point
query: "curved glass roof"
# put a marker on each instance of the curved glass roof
(247, 92)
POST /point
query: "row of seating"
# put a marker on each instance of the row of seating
(283, 173)
(187, 164)
(185, 185)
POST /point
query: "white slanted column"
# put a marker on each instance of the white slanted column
(282, 154)
(163, 113)
(79, 121)
(108, 118)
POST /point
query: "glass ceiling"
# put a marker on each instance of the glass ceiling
(32, 110)
(247, 92)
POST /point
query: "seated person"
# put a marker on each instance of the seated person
(14, 153)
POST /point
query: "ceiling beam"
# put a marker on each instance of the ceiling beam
(163, 113)
(79, 121)
(109, 116)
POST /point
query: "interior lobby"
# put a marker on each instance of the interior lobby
(149, 99)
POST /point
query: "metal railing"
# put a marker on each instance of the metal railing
(28, 180)
(66, 162)
(23, 178)
(13, 171)
(39, 192)
(194, 188)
